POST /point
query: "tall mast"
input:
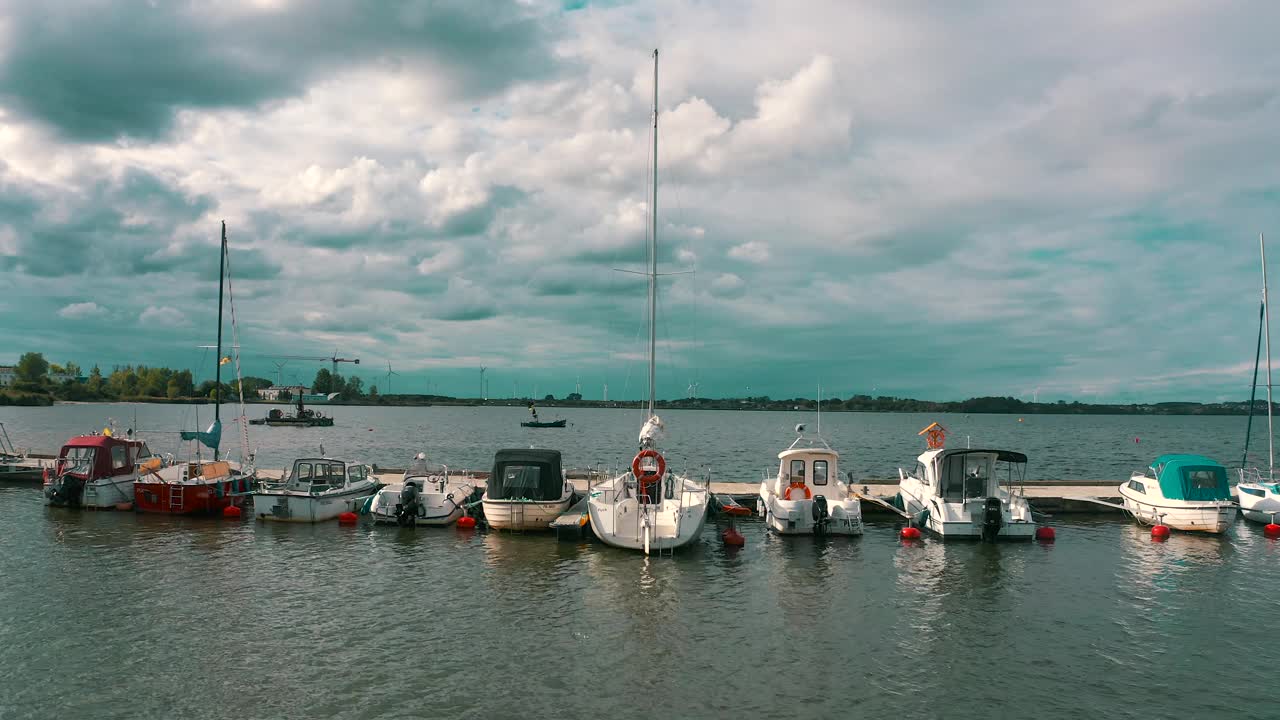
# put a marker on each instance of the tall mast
(217, 362)
(1266, 308)
(653, 248)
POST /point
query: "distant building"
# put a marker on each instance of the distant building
(273, 393)
(9, 373)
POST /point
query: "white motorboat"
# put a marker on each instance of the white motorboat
(959, 494)
(526, 490)
(807, 495)
(1184, 492)
(649, 508)
(1257, 491)
(316, 489)
(98, 471)
(425, 496)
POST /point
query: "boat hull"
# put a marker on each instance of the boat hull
(618, 519)
(1264, 508)
(523, 514)
(1213, 518)
(961, 520)
(795, 517)
(292, 506)
(552, 424)
(99, 494)
(434, 508)
(192, 498)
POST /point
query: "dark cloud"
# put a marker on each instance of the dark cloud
(97, 71)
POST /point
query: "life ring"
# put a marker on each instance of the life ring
(648, 478)
(808, 494)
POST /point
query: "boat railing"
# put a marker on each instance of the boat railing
(1257, 475)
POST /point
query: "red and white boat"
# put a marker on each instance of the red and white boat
(98, 471)
(196, 487)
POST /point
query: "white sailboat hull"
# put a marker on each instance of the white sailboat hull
(1264, 508)
(620, 520)
(294, 506)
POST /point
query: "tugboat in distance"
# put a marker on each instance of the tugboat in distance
(302, 417)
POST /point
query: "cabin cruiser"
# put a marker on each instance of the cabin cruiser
(98, 471)
(807, 495)
(315, 490)
(650, 508)
(425, 496)
(1184, 492)
(527, 490)
(958, 493)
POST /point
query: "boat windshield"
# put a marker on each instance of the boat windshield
(76, 461)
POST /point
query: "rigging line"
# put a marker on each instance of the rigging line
(1253, 393)
(235, 352)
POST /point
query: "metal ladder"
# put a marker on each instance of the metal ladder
(175, 497)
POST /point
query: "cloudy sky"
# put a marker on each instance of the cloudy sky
(889, 198)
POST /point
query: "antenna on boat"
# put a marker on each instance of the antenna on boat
(819, 408)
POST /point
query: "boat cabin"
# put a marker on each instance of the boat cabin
(959, 475)
(526, 475)
(317, 475)
(815, 469)
(102, 456)
(1194, 478)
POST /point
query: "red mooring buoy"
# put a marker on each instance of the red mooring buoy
(910, 533)
(231, 511)
(1044, 533)
(733, 538)
(348, 518)
(1272, 530)
(466, 522)
(1159, 532)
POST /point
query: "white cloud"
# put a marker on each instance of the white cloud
(446, 258)
(82, 310)
(162, 317)
(754, 251)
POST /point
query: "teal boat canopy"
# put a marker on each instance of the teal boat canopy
(1191, 477)
(209, 438)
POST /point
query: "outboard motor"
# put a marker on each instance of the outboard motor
(992, 518)
(64, 491)
(820, 513)
(407, 508)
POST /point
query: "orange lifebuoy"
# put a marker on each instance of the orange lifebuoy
(808, 494)
(638, 470)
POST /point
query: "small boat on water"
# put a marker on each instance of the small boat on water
(302, 417)
(1184, 492)
(536, 423)
(959, 493)
(202, 488)
(807, 495)
(315, 490)
(527, 490)
(15, 466)
(426, 496)
(98, 471)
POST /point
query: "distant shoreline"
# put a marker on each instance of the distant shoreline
(988, 406)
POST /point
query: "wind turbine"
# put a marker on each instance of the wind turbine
(279, 369)
(390, 372)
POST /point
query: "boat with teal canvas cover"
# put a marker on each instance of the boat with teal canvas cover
(1184, 492)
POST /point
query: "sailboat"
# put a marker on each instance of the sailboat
(197, 487)
(649, 508)
(1259, 494)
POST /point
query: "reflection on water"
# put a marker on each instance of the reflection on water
(327, 621)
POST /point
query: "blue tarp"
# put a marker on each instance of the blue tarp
(1191, 477)
(210, 438)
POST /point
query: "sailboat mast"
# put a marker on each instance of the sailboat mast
(653, 249)
(1266, 308)
(217, 361)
